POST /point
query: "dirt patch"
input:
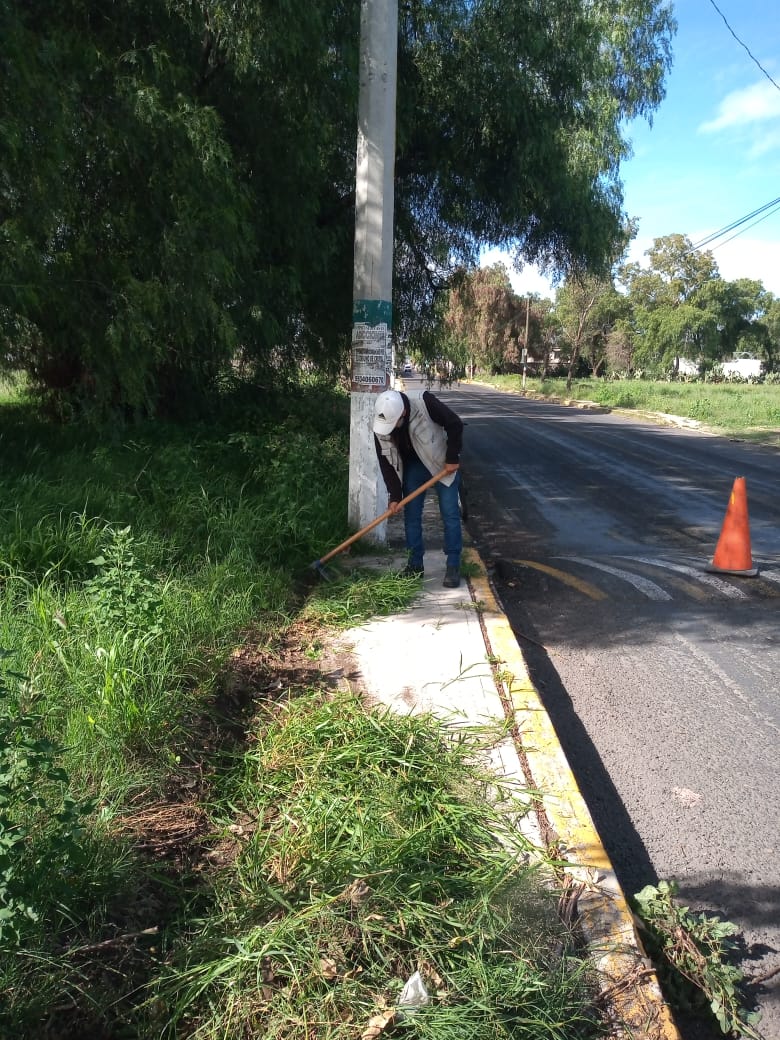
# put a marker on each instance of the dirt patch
(176, 828)
(308, 656)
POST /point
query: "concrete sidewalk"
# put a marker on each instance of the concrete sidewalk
(453, 654)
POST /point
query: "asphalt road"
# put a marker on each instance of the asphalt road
(663, 681)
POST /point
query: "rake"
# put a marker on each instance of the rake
(318, 565)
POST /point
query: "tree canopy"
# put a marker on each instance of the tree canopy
(676, 305)
(586, 310)
(681, 306)
(177, 180)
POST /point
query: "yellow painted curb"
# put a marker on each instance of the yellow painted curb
(628, 980)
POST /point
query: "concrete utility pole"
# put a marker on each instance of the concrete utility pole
(525, 344)
(372, 295)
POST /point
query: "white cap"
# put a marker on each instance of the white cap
(388, 410)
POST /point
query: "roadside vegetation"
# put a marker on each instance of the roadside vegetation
(672, 316)
(152, 241)
(199, 836)
(739, 409)
(695, 956)
(159, 689)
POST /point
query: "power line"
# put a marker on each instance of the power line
(734, 225)
(742, 44)
(771, 213)
(763, 212)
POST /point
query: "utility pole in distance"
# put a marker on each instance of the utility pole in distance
(525, 344)
(372, 287)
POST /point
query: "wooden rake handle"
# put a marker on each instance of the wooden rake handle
(384, 516)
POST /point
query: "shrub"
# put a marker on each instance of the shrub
(42, 835)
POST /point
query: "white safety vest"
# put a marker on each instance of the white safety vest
(428, 439)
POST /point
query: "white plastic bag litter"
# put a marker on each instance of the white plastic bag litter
(414, 995)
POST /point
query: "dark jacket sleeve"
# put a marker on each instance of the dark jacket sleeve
(389, 475)
(452, 423)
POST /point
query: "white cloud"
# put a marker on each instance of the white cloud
(756, 104)
(750, 258)
(637, 249)
(767, 142)
(742, 258)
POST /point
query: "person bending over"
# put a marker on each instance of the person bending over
(415, 438)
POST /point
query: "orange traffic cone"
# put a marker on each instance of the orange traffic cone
(732, 553)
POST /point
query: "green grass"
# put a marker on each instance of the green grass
(371, 852)
(748, 410)
(149, 581)
(339, 602)
(11, 388)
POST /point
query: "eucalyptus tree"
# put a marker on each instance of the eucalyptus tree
(586, 309)
(177, 180)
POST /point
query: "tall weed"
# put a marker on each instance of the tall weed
(122, 601)
(129, 569)
(52, 543)
(43, 844)
(372, 852)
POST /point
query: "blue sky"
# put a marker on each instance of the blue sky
(712, 154)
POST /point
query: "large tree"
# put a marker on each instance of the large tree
(165, 183)
(680, 306)
(586, 310)
(485, 324)
(670, 297)
(177, 180)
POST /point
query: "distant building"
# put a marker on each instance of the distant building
(743, 365)
(686, 367)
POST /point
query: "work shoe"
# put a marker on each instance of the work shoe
(452, 578)
(413, 570)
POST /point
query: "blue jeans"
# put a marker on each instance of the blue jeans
(415, 473)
